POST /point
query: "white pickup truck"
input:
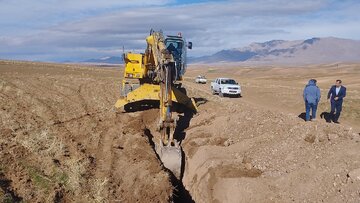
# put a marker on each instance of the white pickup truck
(200, 79)
(225, 86)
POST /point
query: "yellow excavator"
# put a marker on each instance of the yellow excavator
(154, 76)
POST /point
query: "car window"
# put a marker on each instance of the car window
(228, 81)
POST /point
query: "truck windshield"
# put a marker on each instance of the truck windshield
(228, 81)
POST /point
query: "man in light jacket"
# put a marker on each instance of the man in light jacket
(311, 97)
(336, 95)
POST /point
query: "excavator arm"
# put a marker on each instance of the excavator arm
(164, 64)
(155, 73)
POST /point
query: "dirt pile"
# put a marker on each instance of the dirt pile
(237, 152)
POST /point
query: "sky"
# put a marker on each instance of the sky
(76, 30)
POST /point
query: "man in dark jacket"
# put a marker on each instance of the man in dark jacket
(311, 97)
(336, 95)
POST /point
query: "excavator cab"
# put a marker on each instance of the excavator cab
(176, 45)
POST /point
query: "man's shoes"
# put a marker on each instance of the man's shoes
(314, 119)
(337, 122)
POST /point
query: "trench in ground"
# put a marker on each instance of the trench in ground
(180, 194)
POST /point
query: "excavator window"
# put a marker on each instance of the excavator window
(174, 44)
(174, 48)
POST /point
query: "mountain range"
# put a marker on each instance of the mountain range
(309, 51)
(106, 60)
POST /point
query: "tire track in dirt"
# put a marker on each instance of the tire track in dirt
(104, 156)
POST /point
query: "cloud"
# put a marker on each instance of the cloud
(100, 29)
(38, 14)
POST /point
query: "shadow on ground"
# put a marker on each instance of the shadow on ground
(303, 116)
(326, 116)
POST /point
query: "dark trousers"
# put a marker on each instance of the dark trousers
(336, 106)
(313, 108)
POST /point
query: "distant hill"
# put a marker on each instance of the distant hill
(310, 51)
(106, 60)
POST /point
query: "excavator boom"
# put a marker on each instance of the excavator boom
(154, 76)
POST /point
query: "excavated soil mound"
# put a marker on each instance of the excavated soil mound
(267, 156)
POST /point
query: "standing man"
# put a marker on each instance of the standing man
(336, 95)
(311, 97)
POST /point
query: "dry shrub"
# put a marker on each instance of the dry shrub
(99, 190)
(43, 144)
(75, 169)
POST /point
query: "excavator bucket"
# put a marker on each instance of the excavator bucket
(171, 157)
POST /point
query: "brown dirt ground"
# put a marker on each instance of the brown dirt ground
(62, 141)
(294, 161)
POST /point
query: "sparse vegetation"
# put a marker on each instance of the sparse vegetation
(40, 179)
(99, 187)
(43, 143)
(61, 140)
(6, 197)
(75, 170)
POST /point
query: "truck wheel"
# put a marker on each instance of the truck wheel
(221, 94)
(212, 91)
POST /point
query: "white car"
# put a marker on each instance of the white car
(225, 86)
(200, 79)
